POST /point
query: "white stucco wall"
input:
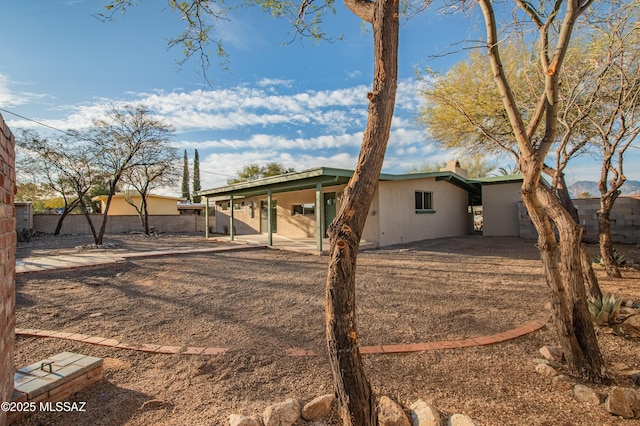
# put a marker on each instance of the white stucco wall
(399, 222)
(500, 209)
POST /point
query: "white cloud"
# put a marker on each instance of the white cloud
(275, 142)
(10, 98)
(274, 82)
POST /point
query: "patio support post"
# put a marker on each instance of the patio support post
(319, 209)
(206, 218)
(231, 233)
(269, 218)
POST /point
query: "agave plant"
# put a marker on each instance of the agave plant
(618, 258)
(604, 311)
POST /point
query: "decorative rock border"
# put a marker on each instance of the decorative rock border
(389, 413)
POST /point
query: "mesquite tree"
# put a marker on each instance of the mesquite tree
(119, 139)
(156, 168)
(66, 165)
(554, 23)
(351, 386)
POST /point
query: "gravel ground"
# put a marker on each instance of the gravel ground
(259, 303)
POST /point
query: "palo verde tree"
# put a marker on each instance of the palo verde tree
(156, 167)
(119, 140)
(196, 177)
(463, 110)
(351, 386)
(534, 136)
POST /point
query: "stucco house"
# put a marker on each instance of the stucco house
(156, 204)
(405, 207)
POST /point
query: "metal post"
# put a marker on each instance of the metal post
(319, 210)
(231, 233)
(269, 219)
(206, 218)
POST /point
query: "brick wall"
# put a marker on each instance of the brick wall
(7, 253)
(77, 224)
(625, 220)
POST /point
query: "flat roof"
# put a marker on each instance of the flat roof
(324, 176)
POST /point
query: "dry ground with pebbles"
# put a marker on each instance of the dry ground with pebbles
(259, 303)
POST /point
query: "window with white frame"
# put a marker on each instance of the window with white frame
(424, 201)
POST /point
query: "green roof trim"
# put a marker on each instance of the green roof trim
(327, 176)
(490, 180)
(305, 179)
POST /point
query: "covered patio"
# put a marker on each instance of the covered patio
(300, 245)
(313, 179)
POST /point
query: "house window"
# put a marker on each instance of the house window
(303, 209)
(424, 202)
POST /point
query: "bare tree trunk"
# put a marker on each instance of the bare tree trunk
(564, 275)
(145, 215)
(103, 227)
(354, 392)
(85, 211)
(590, 279)
(604, 237)
(64, 214)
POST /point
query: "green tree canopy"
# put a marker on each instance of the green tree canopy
(254, 171)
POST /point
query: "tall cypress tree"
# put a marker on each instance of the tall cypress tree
(196, 177)
(185, 178)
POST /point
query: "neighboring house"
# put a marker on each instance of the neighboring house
(156, 204)
(405, 208)
(188, 208)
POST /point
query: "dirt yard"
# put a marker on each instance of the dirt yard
(259, 303)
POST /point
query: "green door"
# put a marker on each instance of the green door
(264, 217)
(329, 204)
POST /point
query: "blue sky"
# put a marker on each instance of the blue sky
(299, 103)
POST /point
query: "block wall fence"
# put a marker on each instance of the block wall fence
(8, 254)
(625, 220)
(76, 224)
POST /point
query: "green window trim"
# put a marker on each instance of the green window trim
(424, 201)
(425, 211)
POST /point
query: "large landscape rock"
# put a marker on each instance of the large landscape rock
(283, 414)
(422, 414)
(461, 420)
(238, 420)
(618, 403)
(552, 353)
(318, 408)
(546, 370)
(391, 413)
(631, 326)
(585, 394)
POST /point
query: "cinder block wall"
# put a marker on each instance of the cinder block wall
(77, 224)
(8, 255)
(625, 220)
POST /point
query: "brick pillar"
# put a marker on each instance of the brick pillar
(8, 256)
